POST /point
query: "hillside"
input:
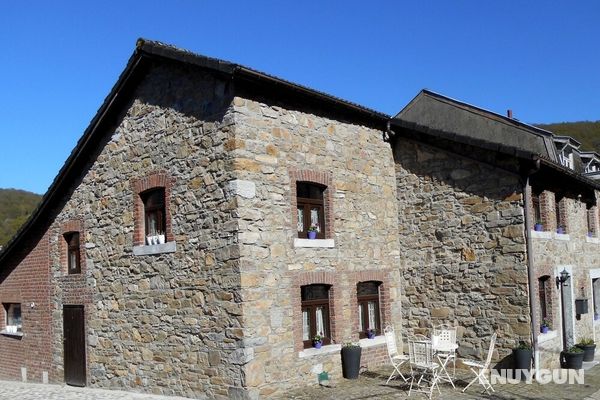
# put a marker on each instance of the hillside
(587, 132)
(15, 207)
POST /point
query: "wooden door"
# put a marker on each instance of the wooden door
(74, 345)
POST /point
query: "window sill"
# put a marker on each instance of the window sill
(13, 334)
(376, 341)
(592, 239)
(314, 243)
(541, 234)
(145, 250)
(562, 236)
(311, 352)
(544, 337)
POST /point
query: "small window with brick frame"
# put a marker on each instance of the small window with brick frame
(537, 211)
(73, 252)
(545, 296)
(12, 314)
(560, 218)
(369, 323)
(311, 210)
(315, 314)
(154, 211)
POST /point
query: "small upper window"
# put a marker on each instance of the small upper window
(311, 212)
(154, 212)
(13, 318)
(544, 296)
(73, 253)
(537, 208)
(560, 220)
(368, 308)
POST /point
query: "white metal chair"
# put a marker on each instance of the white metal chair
(444, 344)
(422, 366)
(396, 357)
(481, 369)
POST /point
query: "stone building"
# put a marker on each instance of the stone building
(170, 253)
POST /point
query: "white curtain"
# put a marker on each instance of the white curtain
(361, 328)
(314, 218)
(371, 315)
(305, 326)
(320, 324)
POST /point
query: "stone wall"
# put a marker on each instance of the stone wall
(164, 322)
(463, 248)
(579, 255)
(274, 146)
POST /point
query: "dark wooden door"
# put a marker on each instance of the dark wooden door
(74, 345)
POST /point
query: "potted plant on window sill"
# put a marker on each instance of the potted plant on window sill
(538, 227)
(318, 341)
(589, 348)
(312, 231)
(371, 333)
(545, 327)
(572, 358)
(561, 230)
(351, 353)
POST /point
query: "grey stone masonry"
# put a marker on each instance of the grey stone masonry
(463, 248)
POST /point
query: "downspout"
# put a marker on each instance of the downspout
(528, 205)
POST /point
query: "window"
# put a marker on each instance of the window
(73, 261)
(537, 208)
(544, 295)
(560, 223)
(154, 211)
(13, 318)
(596, 297)
(315, 313)
(310, 209)
(368, 307)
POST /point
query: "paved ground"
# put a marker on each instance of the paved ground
(370, 385)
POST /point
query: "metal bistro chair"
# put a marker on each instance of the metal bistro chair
(444, 345)
(422, 366)
(396, 357)
(480, 369)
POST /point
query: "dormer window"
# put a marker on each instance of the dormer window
(566, 159)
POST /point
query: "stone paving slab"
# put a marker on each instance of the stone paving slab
(371, 385)
(10, 390)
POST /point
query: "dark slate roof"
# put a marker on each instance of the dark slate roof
(452, 116)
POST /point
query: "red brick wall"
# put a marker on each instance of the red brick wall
(374, 356)
(26, 280)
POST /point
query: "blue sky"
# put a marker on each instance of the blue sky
(59, 59)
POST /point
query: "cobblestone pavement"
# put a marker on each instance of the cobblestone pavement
(371, 385)
(10, 390)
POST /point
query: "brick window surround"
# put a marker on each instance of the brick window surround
(592, 220)
(69, 226)
(322, 178)
(384, 299)
(311, 278)
(154, 180)
(549, 296)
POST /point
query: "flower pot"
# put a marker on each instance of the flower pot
(544, 329)
(312, 234)
(588, 351)
(351, 361)
(560, 231)
(317, 345)
(571, 360)
(538, 227)
(371, 335)
(521, 362)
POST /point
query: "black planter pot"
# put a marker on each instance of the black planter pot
(588, 351)
(351, 361)
(571, 360)
(521, 361)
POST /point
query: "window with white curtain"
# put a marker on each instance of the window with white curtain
(315, 313)
(368, 307)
